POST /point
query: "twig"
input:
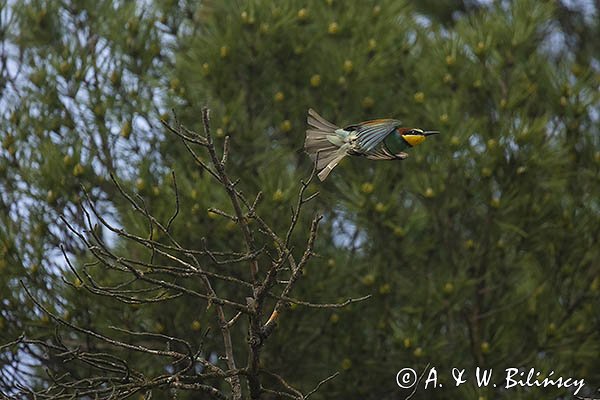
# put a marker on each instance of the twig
(296, 272)
(113, 342)
(324, 305)
(321, 384)
(283, 382)
(233, 195)
(417, 383)
(176, 201)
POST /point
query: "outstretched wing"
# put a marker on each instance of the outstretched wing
(370, 133)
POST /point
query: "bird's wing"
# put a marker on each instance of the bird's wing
(382, 153)
(370, 133)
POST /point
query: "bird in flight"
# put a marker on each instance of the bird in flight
(379, 139)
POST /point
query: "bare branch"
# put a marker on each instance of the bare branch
(416, 386)
(225, 151)
(284, 383)
(300, 202)
(296, 272)
(321, 384)
(323, 305)
(233, 194)
(222, 213)
(176, 202)
(99, 336)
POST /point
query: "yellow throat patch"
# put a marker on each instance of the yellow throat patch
(414, 140)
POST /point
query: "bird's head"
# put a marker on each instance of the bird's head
(415, 136)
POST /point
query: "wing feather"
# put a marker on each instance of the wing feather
(379, 153)
(371, 133)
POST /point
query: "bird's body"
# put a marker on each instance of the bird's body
(379, 139)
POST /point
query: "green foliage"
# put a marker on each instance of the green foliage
(480, 249)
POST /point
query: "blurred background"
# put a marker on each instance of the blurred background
(481, 249)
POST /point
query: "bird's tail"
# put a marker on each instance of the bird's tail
(324, 144)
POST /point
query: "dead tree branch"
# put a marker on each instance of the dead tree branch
(162, 269)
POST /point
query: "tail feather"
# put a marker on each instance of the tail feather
(319, 122)
(331, 162)
(323, 144)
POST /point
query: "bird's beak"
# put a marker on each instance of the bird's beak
(429, 133)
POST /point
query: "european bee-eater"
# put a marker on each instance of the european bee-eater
(379, 139)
